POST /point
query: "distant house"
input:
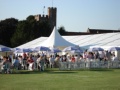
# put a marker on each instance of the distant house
(98, 31)
(92, 31)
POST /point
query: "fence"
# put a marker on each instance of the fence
(88, 65)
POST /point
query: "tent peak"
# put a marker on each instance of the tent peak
(56, 40)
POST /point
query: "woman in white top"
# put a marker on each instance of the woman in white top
(51, 60)
(114, 58)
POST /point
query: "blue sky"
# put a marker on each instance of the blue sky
(74, 15)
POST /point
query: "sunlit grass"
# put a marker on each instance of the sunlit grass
(53, 79)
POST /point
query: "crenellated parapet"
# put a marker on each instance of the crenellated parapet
(51, 17)
(40, 17)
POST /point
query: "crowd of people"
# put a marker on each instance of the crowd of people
(41, 61)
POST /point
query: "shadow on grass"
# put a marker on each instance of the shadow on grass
(48, 71)
(57, 71)
(60, 72)
(96, 69)
(101, 69)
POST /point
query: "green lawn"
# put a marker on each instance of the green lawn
(53, 79)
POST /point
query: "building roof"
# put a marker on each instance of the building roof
(95, 31)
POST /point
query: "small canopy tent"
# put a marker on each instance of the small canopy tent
(56, 41)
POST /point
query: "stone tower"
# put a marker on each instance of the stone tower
(52, 15)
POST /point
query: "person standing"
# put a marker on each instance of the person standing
(7, 65)
(30, 62)
(73, 59)
(20, 62)
(56, 62)
(51, 60)
(16, 63)
(42, 62)
(101, 55)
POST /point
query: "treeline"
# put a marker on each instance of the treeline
(14, 32)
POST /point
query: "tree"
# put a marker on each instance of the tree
(7, 29)
(24, 33)
(28, 30)
(62, 30)
(30, 18)
(19, 36)
(14, 33)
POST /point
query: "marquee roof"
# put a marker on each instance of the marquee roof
(106, 39)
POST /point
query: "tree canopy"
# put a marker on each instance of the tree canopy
(7, 29)
(14, 33)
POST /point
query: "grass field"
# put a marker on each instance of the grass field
(53, 79)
